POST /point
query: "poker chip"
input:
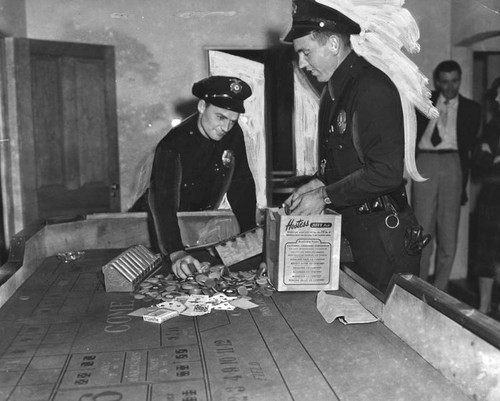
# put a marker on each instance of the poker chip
(242, 290)
(212, 280)
(201, 278)
(261, 281)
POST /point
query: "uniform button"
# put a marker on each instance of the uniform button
(340, 146)
(185, 185)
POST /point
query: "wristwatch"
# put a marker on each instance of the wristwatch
(326, 198)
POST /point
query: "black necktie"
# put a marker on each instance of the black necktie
(436, 138)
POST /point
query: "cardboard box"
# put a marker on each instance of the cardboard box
(302, 253)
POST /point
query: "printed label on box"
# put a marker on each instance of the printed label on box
(303, 252)
(308, 262)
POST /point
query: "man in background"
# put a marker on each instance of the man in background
(444, 145)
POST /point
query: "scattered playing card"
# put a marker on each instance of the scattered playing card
(198, 298)
(224, 306)
(172, 305)
(197, 309)
(143, 311)
(243, 303)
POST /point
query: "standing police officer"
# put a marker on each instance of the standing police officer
(197, 162)
(361, 139)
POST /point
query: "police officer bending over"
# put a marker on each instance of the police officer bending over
(197, 162)
(361, 145)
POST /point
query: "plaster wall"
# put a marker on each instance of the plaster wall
(160, 48)
(160, 51)
(12, 18)
(471, 18)
(434, 21)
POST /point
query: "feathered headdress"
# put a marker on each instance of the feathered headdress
(386, 28)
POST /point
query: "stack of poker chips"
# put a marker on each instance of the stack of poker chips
(128, 269)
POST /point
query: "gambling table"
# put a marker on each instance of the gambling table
(63, 337)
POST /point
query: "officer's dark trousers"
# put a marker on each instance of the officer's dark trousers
(379, 251)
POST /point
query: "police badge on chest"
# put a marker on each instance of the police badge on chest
(341, 122)
(227, 158)
(339, 127)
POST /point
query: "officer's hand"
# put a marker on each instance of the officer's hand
(308, 203)
(181, 262)
(310, 186)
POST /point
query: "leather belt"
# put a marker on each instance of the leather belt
(438, 151)
(395, 201)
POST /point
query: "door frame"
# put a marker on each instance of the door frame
(17, 144)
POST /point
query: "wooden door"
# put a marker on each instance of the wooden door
(60, 149)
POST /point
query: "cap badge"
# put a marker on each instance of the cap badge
(341, 122)
(235, 86)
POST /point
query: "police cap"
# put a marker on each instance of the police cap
(221, 91)
(309, 16)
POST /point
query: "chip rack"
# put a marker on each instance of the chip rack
(130, 268)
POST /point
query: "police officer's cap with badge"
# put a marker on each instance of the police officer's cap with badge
(309, 16)
(223, 91)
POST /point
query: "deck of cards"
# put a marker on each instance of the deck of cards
(159, 315)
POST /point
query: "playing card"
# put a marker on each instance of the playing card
(243, 303)
(224, 306)
(197, 309)
(172, 305)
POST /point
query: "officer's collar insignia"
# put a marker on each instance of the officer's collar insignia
(227, 158)
(235, 86)
(341, 122)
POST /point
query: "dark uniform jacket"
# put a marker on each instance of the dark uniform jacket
(468, 124)
(192, 173)
(362, 157)
(364, 162)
